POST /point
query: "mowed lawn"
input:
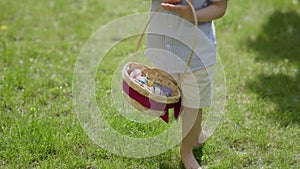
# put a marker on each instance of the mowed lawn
(258, 44)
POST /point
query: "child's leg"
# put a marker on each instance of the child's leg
(191, 122)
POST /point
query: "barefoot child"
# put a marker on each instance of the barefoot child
(200, 79)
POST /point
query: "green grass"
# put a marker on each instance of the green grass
(258, 43)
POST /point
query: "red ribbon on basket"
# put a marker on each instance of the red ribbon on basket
(152, 104)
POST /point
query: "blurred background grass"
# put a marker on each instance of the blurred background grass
(258, 43)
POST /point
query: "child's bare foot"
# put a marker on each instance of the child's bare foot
(188, 159)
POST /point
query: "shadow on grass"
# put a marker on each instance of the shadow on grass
(278, 45)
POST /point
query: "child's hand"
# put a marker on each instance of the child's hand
(214, 11)
(172, 1)
(183, 10)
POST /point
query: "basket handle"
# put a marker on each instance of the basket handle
(194, 42)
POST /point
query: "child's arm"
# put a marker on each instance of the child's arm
(214, 11)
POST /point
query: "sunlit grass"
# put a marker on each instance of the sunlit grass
(39, 45)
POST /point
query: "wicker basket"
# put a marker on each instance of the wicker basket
(144, 100)
(136, 94)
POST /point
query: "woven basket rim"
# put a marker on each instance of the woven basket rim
(170, 99)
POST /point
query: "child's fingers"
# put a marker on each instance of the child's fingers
(172, 1)
(171, 7)
(167, 6)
